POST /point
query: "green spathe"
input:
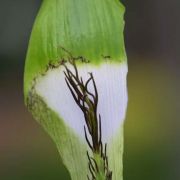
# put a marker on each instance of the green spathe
(92, 29)
(88, 28)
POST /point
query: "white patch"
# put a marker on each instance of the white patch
(110, 80)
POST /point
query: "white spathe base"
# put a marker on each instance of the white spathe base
(110, 80)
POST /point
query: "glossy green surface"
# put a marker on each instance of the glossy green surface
(92, 29)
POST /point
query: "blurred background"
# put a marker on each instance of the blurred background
(152, 128)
